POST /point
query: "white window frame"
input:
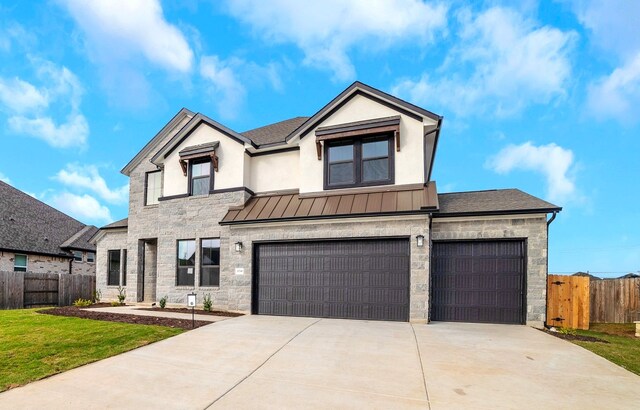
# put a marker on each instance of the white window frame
(26, 262)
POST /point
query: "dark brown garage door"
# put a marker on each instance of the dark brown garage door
(353, 279)
(478, 281)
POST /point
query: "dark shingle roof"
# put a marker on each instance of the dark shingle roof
(494, 201)
(123, 223)
(274, 133)
(81, 239)
(29, 225)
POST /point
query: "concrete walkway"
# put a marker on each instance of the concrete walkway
(275, 362)
(135, 310)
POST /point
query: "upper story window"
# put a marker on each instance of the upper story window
(364, 161)
(200, 177)
(153, 187)
(20, 263)
(77, 256)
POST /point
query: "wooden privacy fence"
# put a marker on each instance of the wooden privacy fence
(615, 300)
(27, 289)
(568, 301)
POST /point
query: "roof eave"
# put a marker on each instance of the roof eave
(497, 213)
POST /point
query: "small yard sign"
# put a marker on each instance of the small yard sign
(191, 300)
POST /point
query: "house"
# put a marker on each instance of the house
(35, 237)
(333, 215)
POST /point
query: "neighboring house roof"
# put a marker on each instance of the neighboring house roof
(274, 133)
(587, 275)
(123, 223)
(495, 201)
(81, 239)
(409, 199)
(629, 276)
(31, 226)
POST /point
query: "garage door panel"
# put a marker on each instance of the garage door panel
(478, 281)
(359, 279)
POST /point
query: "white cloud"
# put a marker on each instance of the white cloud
(551, 160)
(20, 96)
(73, 132)
(327, 30)
(4, 178)
(118, 30)
(33, 108)
(618, 94)
(503, 63)
(614, 29)
(228, 90)
(82, 207)
(87, 177)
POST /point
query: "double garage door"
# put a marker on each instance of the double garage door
(474, 281)
(352, 279)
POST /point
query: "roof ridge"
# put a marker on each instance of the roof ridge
(75, 236)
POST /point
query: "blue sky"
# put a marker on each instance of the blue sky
(541, 96)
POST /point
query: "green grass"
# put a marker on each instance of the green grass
(34, 346)
(623, 348)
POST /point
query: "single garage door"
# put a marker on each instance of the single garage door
(478, 281)
(352, 279)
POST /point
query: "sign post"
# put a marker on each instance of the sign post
(191, 302)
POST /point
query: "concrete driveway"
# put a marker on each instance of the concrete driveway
(276, 362)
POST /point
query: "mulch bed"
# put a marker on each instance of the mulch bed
(99, 305)
(579, 338)
(123, 318)
(197, 311)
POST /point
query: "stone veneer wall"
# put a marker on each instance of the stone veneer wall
(533, 229)
(112, 240)
(83, 268)
(410, 226)
(35, 263)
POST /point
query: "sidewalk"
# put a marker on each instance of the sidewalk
(136, 310)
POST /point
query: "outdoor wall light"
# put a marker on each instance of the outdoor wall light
(238, 246)
(420, 240)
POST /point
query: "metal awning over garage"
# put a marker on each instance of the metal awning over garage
(398, 200)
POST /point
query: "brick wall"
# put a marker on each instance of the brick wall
(35, 263)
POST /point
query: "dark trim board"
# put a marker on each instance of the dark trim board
(525, 246)
(425, 212)
(505, 213)
(170, 197)
(274, 151)
(23, 252)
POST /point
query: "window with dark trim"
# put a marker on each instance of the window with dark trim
(91, 257)
(77, 256)
(186, 263)
(153, 187)
(19, 263)
(124, 267)
(210, 262)
(200, 177)
(113, 268)
(358, 162)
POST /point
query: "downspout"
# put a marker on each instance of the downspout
(70, 266)
(546, 291)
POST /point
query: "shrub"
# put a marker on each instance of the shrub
(122, 294)
(82, 303)
(207, 303)
(114, 303)
(566, 331)
(97, 295)
(163, 302)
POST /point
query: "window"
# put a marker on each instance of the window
(359, 162)
(124, 267)
(186, 263)
(113, 268)
(153, 189)
(200, 177)
(91, 257)
(77, 256)
(20, 263)
(210, 262)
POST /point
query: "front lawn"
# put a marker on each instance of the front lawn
(34, 346)
(623, 348)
